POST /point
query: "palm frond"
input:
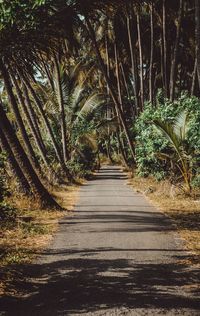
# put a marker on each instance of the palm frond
(181, 125)
(91, 104)
(168, 130)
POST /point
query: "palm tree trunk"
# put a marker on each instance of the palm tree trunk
(173, 74)
(141, 63)
(29, 121)
(151, 57)
(18, 117)
(37, 187)
(194, 75)
(33, 117)
(62, 111)
(117, 76)
(107, 63)
(14, 166)
(48, 127)
(133, 66)
(197, 34)
(112, 92)
(164, 40)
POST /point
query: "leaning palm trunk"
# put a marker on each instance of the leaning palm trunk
(194, 75)
(133, 66)
(37, 187)
(112, 92)
(48, 127)
(18, 117)
(34, 120)
(173, 73)
(62, 111)
(118, 76)
(197, 33)
(29, 121)
(141, 63)
(151, 57)
(13, 164)
(164, 56)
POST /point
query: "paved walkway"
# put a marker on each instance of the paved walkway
(117, 255)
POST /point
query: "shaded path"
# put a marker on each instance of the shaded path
(117, 255)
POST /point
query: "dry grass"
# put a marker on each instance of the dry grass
(183, 209)
(31, 231)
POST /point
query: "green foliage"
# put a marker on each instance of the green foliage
(153, 149)
(176, 133)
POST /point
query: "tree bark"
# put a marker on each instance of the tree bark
(33, 117)
(151, 57)
(194, 75)
(49, 130)
(197, 35)
(117, 76)
(62, 110)
(18, 117)
(37, 187)
(164, 41)
(29, 121)
(14, 166)
(133, 66)
(173, 74)
(141, 63)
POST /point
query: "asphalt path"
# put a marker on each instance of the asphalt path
(115, 255)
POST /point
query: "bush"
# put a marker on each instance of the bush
(150, 142)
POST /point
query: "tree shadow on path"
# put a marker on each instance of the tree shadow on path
(81, 285)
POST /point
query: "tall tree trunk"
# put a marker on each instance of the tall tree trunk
(173, 74)
(13, 164)
(133, 65)
(33, 117)
(48, 127)
(194, 75)
(151, 57)
(197, 33)
(132, 106)
(62, 110)
(18, 117)
(118, 77)
(25, 165)
(121, 148)
(164, 41)
(112, 92)
(107, 64)
(29, 121)
(141, 63)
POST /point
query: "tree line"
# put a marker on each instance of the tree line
(77, 77)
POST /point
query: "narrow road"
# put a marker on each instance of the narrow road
(116, 255)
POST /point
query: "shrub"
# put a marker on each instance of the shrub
(150, 142)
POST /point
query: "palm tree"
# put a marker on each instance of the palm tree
(17, 114)
(176, 133)
(14, 166)
(25, 165)
(59, 74)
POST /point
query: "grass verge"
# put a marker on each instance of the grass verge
(184, 210)
(24, 236)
